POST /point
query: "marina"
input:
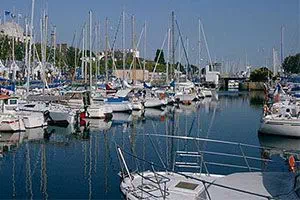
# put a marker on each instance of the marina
(51, 158)
(166, 108)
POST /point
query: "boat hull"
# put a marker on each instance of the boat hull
(154, 103)
(34, 120)
(280, 127)
(12, 125)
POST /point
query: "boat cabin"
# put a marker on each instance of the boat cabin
(8, 103)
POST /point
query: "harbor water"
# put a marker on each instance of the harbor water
(82, 163)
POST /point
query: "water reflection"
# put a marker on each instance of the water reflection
(46, 161)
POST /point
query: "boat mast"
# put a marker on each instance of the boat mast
(199, 49)
(173, 43)
(30, 45)
(82, 53)
(187, 72)
(133, 51)
(85, 54)
(75, 56)
(106, 50)
(90, 59)
(13, 58)
(97, 49)
(54, 46)
(145, 48)
(123, 43)
(26, 45)
(168, 57)
(282, 44)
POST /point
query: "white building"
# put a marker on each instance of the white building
(12, 29)
(211, 76)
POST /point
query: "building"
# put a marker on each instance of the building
(128, 74)
(12, 29)
(211, 76)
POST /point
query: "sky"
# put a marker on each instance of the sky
(236, 30)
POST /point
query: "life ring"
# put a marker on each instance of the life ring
(292, 164)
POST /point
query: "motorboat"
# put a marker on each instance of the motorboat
(280, 125)
(160, 182)
(282, 119)
(247, 185)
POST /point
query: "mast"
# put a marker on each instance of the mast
(85, 55)
(30, 45)
(274, 62)
(90, 59)
(123, 44)
(133, 51)
(82, 54)
(26, 44)
(97, 49)
(179, 58)
(75, 56)
(168, 57)
(145, 48)
(199, 49)
(54, 46)
(187, 64)
(106, 50)
(282, 44)
(173, 42)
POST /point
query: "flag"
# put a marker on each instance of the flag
(6, 13)
(277, 93)
(13, 15)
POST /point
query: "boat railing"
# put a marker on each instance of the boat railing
(159, 181)
(164, 190)
(198, 162)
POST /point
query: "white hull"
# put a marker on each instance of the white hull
(98, 112)
(207, 93)
(99, 125)
(34, 120)
(185, 97)
(11, 125)
(130, 188)
(62, 117)
(120, 107)
(120, 118)
(154, 103)
(35, 134)
(137, 106)
(290, 128)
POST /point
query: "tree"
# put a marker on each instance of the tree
(161, 59)
(291, 64)
(261, 75)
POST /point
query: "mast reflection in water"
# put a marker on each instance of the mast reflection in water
(81, 163)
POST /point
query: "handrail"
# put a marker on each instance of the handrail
(198, 179)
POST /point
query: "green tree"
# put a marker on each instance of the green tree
(261, 75)
(161, 59)
(291, 64)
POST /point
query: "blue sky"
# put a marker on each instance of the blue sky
(233, 28)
